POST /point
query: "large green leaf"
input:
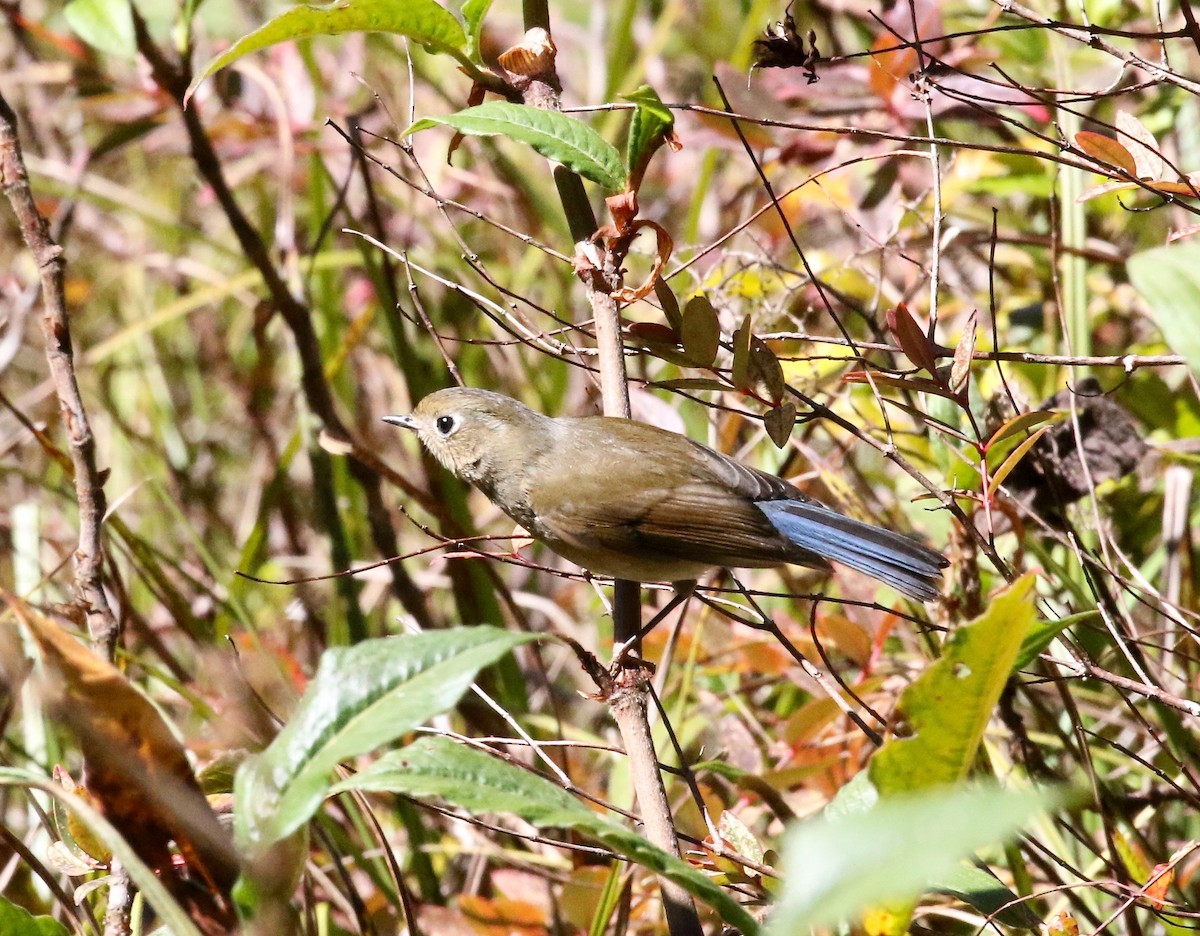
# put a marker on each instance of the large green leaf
(480, 783)
(1169, 280)
(422, 21)
(106, 25)
(361, 697)
(556, 136)
(473, 12)
(173, 915)
(948, 707)
(17, 921)
(836, 868)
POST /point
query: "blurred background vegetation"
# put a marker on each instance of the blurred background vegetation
(237, 347)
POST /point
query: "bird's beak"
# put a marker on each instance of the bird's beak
(405, 421)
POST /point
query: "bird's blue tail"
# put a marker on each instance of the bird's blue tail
(892, 558)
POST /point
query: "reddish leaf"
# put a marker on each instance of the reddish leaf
(1161, 878)
(701, 332)
(911, 339)
(915, 384)
(1140, 142)
(1106, 150)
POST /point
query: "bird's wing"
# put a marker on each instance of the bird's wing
(657, 493)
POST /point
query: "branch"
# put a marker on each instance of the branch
(89, 483)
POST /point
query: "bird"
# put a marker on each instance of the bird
(632, 501)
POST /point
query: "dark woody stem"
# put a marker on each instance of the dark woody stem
(629, 702)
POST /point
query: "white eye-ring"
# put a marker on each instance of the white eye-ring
(446, 425)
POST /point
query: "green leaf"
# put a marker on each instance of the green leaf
(835, 868)
(479, 783)
(473, 12)
(1169, 280)
(422, 21)
(106, 25)
(17, 921)
(779, 423)
(361, 697)
(985, 893)
(740, 373)
(700, 332)
(1021, 423)
(949, 705)
(1042, 634)
(652, 120)
(556, 136)
(174, 916)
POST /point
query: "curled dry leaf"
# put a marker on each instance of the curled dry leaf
(137, 773)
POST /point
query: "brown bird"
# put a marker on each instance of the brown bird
(632, 501)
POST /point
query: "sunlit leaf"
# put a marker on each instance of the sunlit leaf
(911, 338)
(1169, 280)
(1147, 160)
(1021, 423)
(837, 867)
(479, 783)
(947, 707)
(106, 25)
(361, 698)
(1015, 456)
(473, 12)
(423, 21)
(558, 137)
(1106, 150)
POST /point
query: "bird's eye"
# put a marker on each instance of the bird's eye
(445, 425)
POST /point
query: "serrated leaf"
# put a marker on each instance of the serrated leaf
(779, 422)
(361, 698)
(473, 12)
(1169, 280)
(701, 332)
(1106, 150)
(423, 21)
(836, 868)
(1148, 162)
(556, 136)
(106, 25)
(948, 706)
(479, 783)
(911, 338)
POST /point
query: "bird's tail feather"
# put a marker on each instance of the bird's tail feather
(892, 558)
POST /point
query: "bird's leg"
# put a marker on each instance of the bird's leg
(625, 649)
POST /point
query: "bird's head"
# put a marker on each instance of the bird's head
(477, 434)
